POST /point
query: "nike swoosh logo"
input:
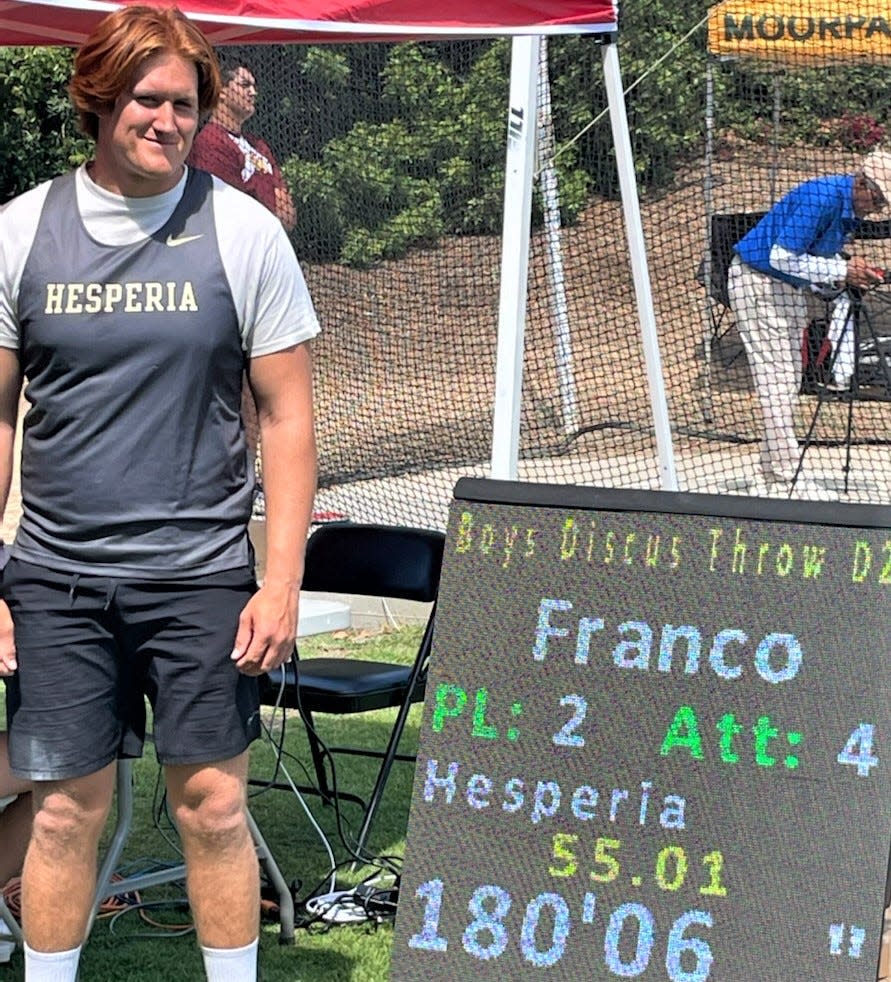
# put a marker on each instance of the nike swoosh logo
(182, 239)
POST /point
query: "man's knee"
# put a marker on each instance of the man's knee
(71, 814)
(209, 807)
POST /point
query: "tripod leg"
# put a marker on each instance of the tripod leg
(857, 316)
(848, 432)
(807, 438)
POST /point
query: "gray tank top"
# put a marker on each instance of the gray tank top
(133, 457)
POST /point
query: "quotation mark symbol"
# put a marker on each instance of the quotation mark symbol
(837, 940)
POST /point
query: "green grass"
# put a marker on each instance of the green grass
(345, 953)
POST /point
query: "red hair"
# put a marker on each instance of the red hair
(107, 61)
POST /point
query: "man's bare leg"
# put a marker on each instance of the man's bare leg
(59, 876)
(222, 873)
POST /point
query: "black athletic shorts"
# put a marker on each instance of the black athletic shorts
(89, 649)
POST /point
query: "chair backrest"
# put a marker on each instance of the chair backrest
(374, 561)
(726, 231)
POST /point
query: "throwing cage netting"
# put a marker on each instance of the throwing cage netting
(395, 159)
(396, 167)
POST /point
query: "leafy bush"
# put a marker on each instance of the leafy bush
(856, 131)
(38, 128)
(432, 162)
(809, 101)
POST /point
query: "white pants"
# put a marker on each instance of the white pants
(771, 316)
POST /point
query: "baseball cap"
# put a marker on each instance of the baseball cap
(877, 167)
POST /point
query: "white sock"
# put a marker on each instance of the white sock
(231, 964)
(51, 966)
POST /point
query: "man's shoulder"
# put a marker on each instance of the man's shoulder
(209, 145)
(209, 131)
(825, 188)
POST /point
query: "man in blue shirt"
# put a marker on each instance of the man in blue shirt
(795, 251)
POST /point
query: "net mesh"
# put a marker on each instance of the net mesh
(393, 157)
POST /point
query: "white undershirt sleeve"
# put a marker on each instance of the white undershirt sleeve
(18, 226)
(804, 266)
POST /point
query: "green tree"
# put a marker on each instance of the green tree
(428, 161)
(38, 128)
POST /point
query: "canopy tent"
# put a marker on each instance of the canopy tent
(68, 22)
(272, 21)
(777, 36)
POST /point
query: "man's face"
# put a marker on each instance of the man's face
(240, 95)
(868, 197)
(143, 142)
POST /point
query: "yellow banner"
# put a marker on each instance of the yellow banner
(801, 31)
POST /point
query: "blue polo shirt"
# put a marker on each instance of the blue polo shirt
(816, 217)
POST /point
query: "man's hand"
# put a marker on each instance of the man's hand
(284, 208)
(862, 274)
(267, 628)
(8, 663)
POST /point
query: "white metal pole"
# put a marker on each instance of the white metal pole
(550, 194)
(519, 171)
(639, 267)
(708, 196)
(777, 123)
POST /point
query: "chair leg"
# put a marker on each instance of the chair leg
(270, 867)
(124, 819)
(318, 757)
(11, 923)
(393, 743)
(381, 782)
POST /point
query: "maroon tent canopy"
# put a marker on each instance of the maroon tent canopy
(270, 21)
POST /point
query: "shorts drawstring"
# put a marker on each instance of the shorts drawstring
(110, 590)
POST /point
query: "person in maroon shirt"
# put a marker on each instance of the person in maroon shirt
(238, 158)
(246, 162)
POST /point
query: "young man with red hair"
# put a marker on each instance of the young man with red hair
(134, 292)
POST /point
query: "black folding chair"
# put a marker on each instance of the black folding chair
(724, 232)
(372, 561)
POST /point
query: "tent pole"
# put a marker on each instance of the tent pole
(639, 266)
(519, 173)
(550, 194)
(777, 117)
(709, 203)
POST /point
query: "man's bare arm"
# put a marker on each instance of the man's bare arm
(282, 387)
(284, 208)
(10, 388)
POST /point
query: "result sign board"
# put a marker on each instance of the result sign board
(655, 741)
